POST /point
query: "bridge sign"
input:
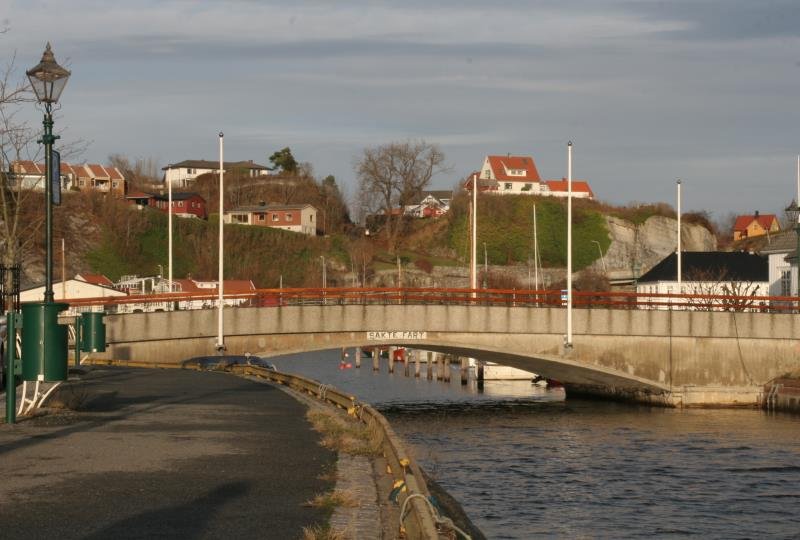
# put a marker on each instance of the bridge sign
(395, 335)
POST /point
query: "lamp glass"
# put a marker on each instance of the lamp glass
(48, 79)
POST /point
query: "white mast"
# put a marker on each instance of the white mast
(568, 344)
(220, 284)
(473, 269)
(535, 252)
(169, 234)
(680, 268)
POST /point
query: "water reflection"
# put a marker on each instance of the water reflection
(526, 464)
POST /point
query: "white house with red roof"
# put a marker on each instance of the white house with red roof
(517, 175)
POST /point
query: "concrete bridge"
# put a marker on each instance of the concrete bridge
(674, 358)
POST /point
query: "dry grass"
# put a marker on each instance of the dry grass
(322, 532)
(344, 434)
(334, 499)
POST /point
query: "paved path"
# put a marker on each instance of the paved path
(163, 454)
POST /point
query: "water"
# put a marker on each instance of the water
(526, 464)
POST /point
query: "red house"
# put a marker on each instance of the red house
(183, 204)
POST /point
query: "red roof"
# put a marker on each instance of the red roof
(96, 279)
(232, 286)
(97, 170)
(765, 220)
(27, 167)
(114, 173)
(577, 186)
(500, 164)
(66, 168)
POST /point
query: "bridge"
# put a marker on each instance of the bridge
(665, 349)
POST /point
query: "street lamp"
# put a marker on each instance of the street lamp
(48, 80)
(793, 215)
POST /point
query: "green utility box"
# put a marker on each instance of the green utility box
(44, 342)
(93, 332)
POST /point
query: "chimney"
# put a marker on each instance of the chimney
(262, 203)
(756, 214)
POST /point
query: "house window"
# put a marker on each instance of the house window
(288, 216)
(786, 282)
(115, 184)
(274, 217)
(311, 218)
(180, 203)
(189, 171)
(508, 185)
(261, 217)
(80, 183)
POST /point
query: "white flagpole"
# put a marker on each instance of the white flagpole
(473, 268)
(680, 261)
(220, 284)
(169, 235)
(568, 344)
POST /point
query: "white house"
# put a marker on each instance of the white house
(73, 288)
(779, 249)
(300, 218)
(517, 175)
(430, 204)
(706, 273)
(184, 174)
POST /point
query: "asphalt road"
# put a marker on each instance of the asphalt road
(163, 454)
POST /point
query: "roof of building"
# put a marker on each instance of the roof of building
(765, 220)
(578, 186)
(177, 196)
(27, 167)
(230, 286)
(95, 279)
(214, 165)
(270, 207)
(775, 242)
(500, 164)
(710, 266)
(439, 194)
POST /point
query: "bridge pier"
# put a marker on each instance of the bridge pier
(358, 357)
(407, 366)
(464, 371)
(429, 369)
(446, 368)
(392, 350)
(416, 364)
(376, 359)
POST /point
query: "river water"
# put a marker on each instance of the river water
(525, 463)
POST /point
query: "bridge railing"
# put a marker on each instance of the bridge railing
(441, 296)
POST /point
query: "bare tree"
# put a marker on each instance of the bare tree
(393, 175)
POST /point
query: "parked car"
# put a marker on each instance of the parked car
(222, 362)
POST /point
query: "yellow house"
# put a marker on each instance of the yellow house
(755, 225)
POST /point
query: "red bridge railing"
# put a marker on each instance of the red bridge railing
(442, 296)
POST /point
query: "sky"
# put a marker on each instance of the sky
(649, 91)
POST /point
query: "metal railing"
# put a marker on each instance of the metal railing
(445, 296)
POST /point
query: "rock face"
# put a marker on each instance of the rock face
(646, 244)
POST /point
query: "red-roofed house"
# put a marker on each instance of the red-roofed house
(517, 175)
(755, 225)
(558, 188)
(92, 176)
(30, 175)
(513, 175)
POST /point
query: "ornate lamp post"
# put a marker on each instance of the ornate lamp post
(48, 79)
(793, 215)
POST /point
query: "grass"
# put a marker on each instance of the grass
(334, 499)
(322, 532)
(347, 435)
